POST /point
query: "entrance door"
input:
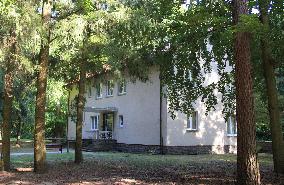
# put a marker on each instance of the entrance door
(108, 120)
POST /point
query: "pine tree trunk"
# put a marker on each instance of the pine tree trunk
(247, 163)
(272, 95)
(7, 103)
(80, 109)
(39, 135)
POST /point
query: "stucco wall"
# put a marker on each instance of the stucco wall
(140, 108)
(212, 129)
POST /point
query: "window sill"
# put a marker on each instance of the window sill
(232, 135)
(95, 130)
(191, 130)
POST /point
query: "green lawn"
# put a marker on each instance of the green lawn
(142, 160)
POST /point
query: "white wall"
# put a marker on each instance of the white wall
(140, 108)
(212, 129)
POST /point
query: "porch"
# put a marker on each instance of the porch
(100, 122)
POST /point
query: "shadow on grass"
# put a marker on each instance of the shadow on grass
(124, 168)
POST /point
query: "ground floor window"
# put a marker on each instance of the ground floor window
(192, 121)
(95, 122)
(231, 126)
(120, 118)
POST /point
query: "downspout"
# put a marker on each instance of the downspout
(161, 118)
(68, 113)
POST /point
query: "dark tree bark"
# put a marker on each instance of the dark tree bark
(39, 135)
(8, 99)
(247, 163)
(272, 94)
(80, 109)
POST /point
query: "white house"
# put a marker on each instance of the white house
(135, 117)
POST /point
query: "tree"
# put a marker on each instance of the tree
(186, 44)
(39, 135)
(268, 63)
(82, 51)
(247, 164)
(8, 99)
(12, 61)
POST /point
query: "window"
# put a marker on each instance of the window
(95, 122)
(122, 87)
(104, 6)
(110, 86)
(120, 118)
(192, 121)
(99, 93)
(90, 91)
(232, 126)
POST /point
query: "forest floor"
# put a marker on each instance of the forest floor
(125, 169)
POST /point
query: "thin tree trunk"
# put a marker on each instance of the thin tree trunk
(272, 94)
(80, 109)
(39, 143)
(19, 130)
(7, 103)
(247, 163)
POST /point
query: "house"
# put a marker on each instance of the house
(134, 117)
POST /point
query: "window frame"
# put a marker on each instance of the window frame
(100, 92)
(121, 124)
(229, 124)
(94, 124)
(109, 82)
(189, 123)
(124, 87)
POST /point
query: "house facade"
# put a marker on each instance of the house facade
(136, 118)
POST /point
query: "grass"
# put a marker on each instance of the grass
(126, 168)
(137, 160)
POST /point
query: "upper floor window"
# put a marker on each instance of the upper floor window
(110, 87)
(90, 91)
(122, 87)
(231, 126)
(99, 93)
(95, 122)
(192, 121)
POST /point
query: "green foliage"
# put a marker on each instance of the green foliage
(56, 115)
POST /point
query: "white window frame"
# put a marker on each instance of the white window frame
(121, 121)
(122, 82)
(95, 121)
(100, 91)
(109, 82)
(230, 129)
(189, 123)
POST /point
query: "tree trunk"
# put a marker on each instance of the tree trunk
(19, 130)
(272, 94)
(247, 163)
(7, 103)
(39, 135)
(80, 109)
